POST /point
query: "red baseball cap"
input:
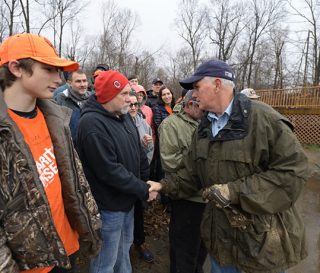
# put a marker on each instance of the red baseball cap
(38, 48)
(108, 84)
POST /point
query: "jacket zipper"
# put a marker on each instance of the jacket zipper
(83, 208)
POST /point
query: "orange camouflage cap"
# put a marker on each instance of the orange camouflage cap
(36, 47)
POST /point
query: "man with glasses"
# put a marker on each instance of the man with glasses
(187, 250)
(142, 99)
(252, 169)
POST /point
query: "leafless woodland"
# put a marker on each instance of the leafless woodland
(270, 43)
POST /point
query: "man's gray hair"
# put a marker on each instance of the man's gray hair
(224, 81)
(187, 97)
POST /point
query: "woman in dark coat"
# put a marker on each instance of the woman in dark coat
(161, 110)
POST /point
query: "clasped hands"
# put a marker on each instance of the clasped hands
(218, 193)
(155, 187)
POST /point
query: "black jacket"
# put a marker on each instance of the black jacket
(152, 100)
(113, 160)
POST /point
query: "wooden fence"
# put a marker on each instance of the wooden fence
(301, 106)
(306, 97)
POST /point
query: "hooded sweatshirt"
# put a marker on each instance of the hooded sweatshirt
(143, 129)
(113, 159)
(146, 110)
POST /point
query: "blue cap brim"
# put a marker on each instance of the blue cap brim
(188, 83)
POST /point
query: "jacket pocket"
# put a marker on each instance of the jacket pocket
(208, 228)
(24, 236)
(259, 245)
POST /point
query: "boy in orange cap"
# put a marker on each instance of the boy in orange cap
(46, 207)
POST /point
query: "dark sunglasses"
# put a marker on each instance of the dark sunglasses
(133, 104)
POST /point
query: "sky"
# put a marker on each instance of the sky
(156, 32)
(156, 28)
(157, 17)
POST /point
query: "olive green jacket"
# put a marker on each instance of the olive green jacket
(175, 136)
(28, 237)
(265, 168)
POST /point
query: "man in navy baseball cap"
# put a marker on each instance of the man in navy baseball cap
(212, 68)
(244, 156)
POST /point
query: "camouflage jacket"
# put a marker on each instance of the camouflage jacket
(28, 237)
(265, 168)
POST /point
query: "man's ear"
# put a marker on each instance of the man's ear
(217, 83)
(14, 68)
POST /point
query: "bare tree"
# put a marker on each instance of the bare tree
(191, 26)
(179, 66)
(264, 15)
(115, 42)
(107, 45)
(124, 24)
(3, 22)
(145, 67)
(8, 13)
(225, 26)
(25, 8)
(278, 37)
(59, 13)
(311, 17)
(78, 49)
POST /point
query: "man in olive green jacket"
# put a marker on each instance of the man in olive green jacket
(252, 169)
(187, 250)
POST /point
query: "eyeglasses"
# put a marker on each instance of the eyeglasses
(133, 104)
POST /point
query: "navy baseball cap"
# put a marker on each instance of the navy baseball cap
(103, 67)
(157, 80)
(212, 68)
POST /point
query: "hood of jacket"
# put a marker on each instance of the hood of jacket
(92, 105)
(145, 97)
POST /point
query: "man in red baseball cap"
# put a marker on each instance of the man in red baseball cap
(116, 167)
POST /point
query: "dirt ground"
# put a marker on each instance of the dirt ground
(157, 230)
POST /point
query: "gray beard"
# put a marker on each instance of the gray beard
(124, 110)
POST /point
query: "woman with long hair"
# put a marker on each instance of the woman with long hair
(161, 110)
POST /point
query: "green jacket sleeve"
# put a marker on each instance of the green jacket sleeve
(170, 152)
(279, 184)
(184, 183)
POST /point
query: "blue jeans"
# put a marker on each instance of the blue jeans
(216, 268)
(117, 238)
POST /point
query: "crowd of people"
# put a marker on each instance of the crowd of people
(78, 166)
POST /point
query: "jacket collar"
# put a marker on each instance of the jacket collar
(47, 107)
(237, 126)
(179, 111)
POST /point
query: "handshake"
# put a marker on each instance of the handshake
(218, 193)
(155, 188)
